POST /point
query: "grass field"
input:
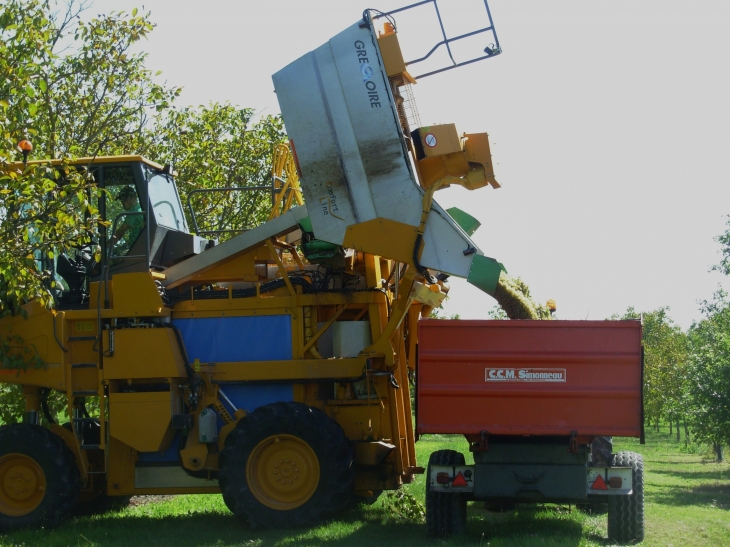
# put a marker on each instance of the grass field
(687, 504)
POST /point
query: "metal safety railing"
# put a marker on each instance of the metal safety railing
(284, 189)
(492, 50)
(196, 227)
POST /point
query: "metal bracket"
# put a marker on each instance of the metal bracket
(573, 442)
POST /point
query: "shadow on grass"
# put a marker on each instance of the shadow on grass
(527, 525)
(716, 474)
(355, 527)
(710, 495)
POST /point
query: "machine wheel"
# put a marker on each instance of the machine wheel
(39, 480)
(626, 513)
(286, 465)
(445, 512)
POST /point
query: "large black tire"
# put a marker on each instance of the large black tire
(286, 465)
(626, 513)
(39, 480)
(445, 512)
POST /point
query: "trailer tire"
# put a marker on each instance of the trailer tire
(39, 480)
(445, 512)
(286, 465)
(626, 513)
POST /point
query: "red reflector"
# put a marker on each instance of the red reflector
(615, 482)
(599, 484)
(459, 480)
(442, 478)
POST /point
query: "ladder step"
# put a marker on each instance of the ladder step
(83, 365)
(85, 393)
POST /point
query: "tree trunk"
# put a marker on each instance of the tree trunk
(719, 453)
(670, 427)
(686, 432)
(678, 438)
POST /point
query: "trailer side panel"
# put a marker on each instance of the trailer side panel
(530, 377)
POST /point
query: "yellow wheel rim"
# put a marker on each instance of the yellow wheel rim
(282, 472)
(22, 485)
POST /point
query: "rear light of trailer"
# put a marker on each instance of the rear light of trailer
(615, 482)
(443, 478)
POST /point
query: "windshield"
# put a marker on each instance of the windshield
(166, 203)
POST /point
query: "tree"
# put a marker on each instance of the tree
(44, 209)
(724, 241)
(218, 147)
(665, 366)
(89, 95)
(709, 374)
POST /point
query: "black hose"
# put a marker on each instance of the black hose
(420, 269)
(44, 405)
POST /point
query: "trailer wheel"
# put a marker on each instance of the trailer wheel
(626, 513)
(286, 465)
(39, 480)
(445, 512)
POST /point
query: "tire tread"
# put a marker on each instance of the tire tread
(445, 512)
(59, 467)
(626, 513)
(329, 443)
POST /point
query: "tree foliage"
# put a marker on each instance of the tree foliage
(44, 209)
(218, 147)
(75, 87)
(724, 241)
(709, 372)
(665, 366)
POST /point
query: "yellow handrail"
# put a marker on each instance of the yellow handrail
(285, 182)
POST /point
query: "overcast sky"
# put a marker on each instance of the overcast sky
(608, 122)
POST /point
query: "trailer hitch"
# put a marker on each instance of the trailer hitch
(482, 445)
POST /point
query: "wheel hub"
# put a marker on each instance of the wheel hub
(22, 484)
(282, 472)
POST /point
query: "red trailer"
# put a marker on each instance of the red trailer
(538, 402)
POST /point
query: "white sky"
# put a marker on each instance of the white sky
(608, 122)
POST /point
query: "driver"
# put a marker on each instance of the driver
(132, 224)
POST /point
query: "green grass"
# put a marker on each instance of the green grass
(687, 504)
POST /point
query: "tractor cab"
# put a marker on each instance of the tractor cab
(144, 226)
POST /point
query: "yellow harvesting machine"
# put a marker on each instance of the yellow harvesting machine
(273, 367)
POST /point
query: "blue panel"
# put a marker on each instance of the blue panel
(249, 338)
(172, 454)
